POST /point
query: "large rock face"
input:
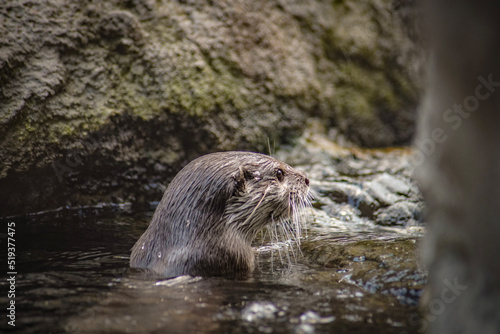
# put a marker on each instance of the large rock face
(107, 100)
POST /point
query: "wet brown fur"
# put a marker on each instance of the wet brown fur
(212, 210)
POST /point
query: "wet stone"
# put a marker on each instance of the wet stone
(402, 213)
(383, 195)
(394, 184)
(377, 266)
(372, 183)
(320, 171)
(342, 192)
(388, 189)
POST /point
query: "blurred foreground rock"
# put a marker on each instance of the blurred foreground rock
(460, 175)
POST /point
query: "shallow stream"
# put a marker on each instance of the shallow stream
(355, 270)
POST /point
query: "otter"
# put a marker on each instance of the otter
(212, 210)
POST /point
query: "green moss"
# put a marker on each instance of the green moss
(206, 91)
(362, 91)
(373, 90)
(193, 87)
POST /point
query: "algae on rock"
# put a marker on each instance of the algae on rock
(102, 101)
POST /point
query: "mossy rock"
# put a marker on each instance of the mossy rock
(103, 101)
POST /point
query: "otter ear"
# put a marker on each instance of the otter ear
(241, 177)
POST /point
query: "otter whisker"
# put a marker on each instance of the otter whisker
(265, 235)
(297, 239)
(283, 234)
(293, 215)
(289, 236)
(276, 237)
(255, 209)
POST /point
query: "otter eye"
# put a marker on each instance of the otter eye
(280, 174)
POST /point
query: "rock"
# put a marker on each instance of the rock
(352, 194)
(387, 189)
(402, 213)
(378, 266)
(460, 176)
(92, 92)
(393, 184)
(383, 195)
(374, 184)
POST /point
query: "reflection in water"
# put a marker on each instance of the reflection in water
(74, 277)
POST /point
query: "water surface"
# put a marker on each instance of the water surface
(73, 277)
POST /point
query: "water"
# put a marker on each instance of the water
(73, 277)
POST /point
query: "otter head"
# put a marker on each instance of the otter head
(267, 190)
(213, 209)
